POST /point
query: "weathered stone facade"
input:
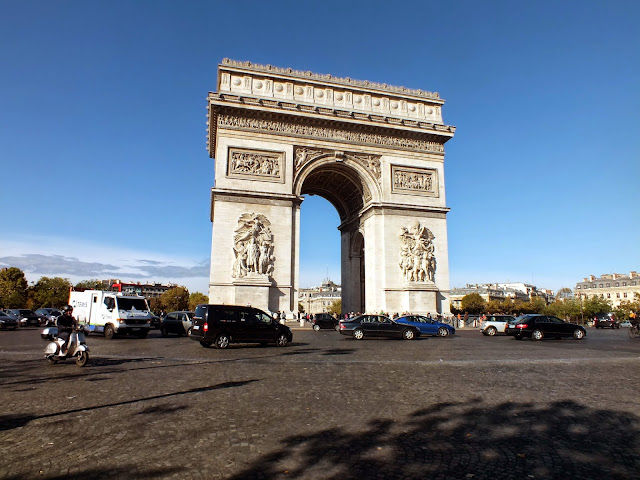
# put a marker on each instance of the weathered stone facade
(375, 151)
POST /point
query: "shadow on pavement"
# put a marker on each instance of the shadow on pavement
(559, 440)
(112, 472)
(8, 422)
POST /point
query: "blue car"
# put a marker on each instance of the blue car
(427, 326)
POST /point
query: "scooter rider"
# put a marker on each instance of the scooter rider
(66, 324)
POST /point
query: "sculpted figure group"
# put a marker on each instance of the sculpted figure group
(417, 254)
(253, 246)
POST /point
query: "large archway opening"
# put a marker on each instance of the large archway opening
(344, 193)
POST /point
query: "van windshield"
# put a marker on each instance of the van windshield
(132, 304)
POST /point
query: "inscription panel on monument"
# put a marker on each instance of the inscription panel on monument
(255, 165)
(414, 181)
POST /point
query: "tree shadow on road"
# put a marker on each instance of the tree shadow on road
(111, 472)
(467, 440)
(8, 422)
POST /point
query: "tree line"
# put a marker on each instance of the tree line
(574, 309)
(15, 292)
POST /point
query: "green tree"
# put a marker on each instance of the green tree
(50, 292)
(473, 303)
(155, 304)
(565, 309)
(535, 305)
(196, 298)
(592, 306)
(336, 307)
(300, 308)
(13, 288)
(176, 298)
(564, 294)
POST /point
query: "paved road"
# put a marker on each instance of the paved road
(326, 407)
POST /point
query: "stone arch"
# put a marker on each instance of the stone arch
(344, 183)
(374, 151)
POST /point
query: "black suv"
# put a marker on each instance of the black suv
(221, 325)
(325, 320)
(607, 320)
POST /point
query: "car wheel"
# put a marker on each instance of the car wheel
(109, 332)
(205, 344)
(282, 340)
(163, 331)
(578, 334)
(82, 359)
(491, 331)
(443, 332)
(358, 334)
(316, 327)
(408, 334)
(337, 327)
(223, 341)
(189, 331)
(537, 334)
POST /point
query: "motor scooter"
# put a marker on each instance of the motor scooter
(76, 347)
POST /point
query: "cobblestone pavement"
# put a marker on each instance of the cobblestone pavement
(325, 407)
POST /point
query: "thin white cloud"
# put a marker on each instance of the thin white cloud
(82, 261)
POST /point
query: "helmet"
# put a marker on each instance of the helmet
(68, 308)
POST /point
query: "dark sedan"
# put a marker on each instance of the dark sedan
(25, 316)
(179, 323)
(324, 320)
(376, 326)
(8, 321)
(426, 325)
(538, 327)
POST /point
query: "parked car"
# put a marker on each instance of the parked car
(376, 326)
(179, 323)
(538, 327)
(49, 315)
(606, 320)
(8, 321)
(426, 325)
(221, 325)
(493, 324)
(156, 321)
(25, 316)
(324, 320)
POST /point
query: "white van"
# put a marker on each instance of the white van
(111, 313)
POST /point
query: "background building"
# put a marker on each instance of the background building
(147, 290)
(319, 299)
(500, 292)
(615, 287)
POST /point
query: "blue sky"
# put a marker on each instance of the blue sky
(104, 165)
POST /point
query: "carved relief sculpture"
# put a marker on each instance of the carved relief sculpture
(253, 246)
(304, 155)
(417, 254)
(263, 165)
(414, 180)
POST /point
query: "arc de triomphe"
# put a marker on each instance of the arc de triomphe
(375, 151)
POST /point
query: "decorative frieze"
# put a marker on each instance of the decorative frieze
(257, 165)
(415, 181)
(253, 247)
(417, 254)
(325, 133)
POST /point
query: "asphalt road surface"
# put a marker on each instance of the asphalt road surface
(325, 407)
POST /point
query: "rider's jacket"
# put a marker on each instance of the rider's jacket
(65, 323)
